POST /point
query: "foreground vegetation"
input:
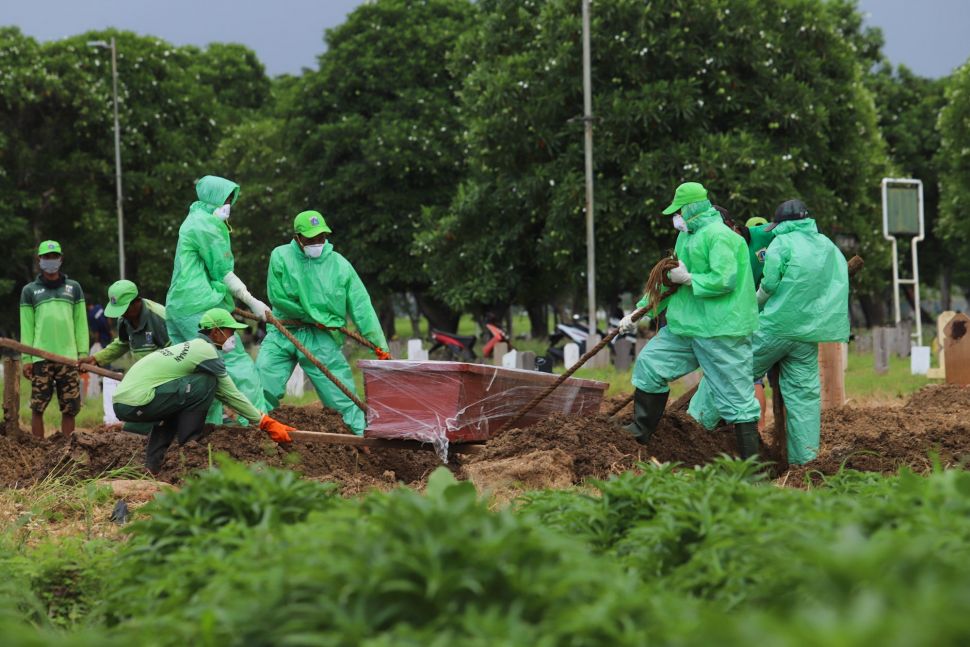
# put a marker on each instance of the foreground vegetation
(709, 556)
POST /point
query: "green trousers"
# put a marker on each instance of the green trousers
(239, 364)
(726, 361)
(278, 356)
(799, 383)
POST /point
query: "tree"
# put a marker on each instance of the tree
(761, 101)
(954, 166)
(376, 136)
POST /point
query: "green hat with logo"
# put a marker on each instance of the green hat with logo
(49, 247)
(686, 193)
(219, 318)
(310, 223)
(120, 295)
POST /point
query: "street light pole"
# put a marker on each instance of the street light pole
(590, 239)
(121, 212)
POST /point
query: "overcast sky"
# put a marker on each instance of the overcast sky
(929, 36)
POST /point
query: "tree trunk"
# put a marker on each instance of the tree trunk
(438, 314)
(928, 319)
(538, 320)
(946, 285)
(385, 315)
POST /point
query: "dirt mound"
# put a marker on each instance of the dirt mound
(20, 458)
(505, 477)
(312, 418)
(943, 399)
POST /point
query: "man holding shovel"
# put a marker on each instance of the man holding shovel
(173, 388)
(53, 318)
(313, 289)
(710, 319)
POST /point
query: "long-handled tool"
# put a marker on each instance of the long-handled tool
(60, 359)
(657, 275)
(353, 334)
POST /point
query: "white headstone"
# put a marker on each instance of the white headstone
(570, 354)
(919, 360)
(416, 352)
(297, 383)
(108, 387)
(509, 359)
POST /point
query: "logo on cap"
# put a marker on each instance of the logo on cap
(114, 300)
(314, 221)
(51, 246)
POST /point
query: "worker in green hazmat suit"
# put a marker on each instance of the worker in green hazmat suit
(203, 278)
(313, 289)
(804, 295)
(757, 234)
(710, 319)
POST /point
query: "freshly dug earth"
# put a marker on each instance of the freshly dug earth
(558, 450)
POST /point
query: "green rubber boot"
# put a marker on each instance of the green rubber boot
(749, 441)
(648, 408)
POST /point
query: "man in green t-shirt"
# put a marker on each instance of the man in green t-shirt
(174, 387)
(141, 325)
(53, 317)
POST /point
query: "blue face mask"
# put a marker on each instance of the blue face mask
(50, 265)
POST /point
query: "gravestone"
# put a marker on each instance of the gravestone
(622, 354)
(831, 374)
(527, 360)
(881, 343)
(570, 354)
(862, 342)
(510, 359)
(396, 348)
(416, 352)
(639, 346)
(904, 339)
(956, 343)
(498, 352)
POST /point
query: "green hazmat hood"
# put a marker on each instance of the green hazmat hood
(213, 191)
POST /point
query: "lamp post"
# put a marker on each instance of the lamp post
(121, 214)
(590, 239)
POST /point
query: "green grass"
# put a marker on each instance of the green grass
(862, 382)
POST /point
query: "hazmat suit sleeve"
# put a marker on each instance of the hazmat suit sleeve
(776, 261)
(362, 311)
(278, 297)
(722, 273)
(214, 251)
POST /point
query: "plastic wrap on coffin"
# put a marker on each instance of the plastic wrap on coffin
(460, 402)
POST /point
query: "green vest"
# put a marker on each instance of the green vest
(53, 317)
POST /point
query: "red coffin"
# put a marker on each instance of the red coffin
(456, 401)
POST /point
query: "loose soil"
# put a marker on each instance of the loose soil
(554, 453)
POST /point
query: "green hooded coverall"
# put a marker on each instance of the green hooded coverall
(315, 290)
(709, 321)
(202, 259)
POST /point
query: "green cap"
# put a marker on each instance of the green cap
(756, 221)
(687, 193)
(120, 295)
(310, 224)
(219, 318)
(49, 247)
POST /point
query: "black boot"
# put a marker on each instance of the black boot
(749, 442)
(648, 408)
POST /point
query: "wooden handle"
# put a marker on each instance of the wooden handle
(60, 359)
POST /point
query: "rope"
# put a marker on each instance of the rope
(655, 283)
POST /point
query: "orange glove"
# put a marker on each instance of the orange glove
(276, 429)
(381, 353)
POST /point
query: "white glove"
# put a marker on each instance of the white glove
(238, 289)
(762, 296)
(680, 274)
(627, 325)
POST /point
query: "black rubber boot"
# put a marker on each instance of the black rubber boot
(648, 408)
(749, 442)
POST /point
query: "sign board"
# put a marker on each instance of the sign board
(902, 210)
(902, 217)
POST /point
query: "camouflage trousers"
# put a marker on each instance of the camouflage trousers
(48, 377)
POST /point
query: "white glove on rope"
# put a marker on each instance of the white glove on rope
(680, 274)
(627, 325)
(762, 296)
(238, 290)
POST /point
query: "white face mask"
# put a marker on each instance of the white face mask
(229, 344)
(313, 251)
(222, 213)
(679, 223)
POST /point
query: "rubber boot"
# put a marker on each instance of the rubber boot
(648, 408)
(749, 442)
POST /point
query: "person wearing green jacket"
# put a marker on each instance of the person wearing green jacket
(173, 388)
(757, 234)
(805, 300)
(141, 325)
(203, 277)
(314, 289)
(710, 319)
(53, 317)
